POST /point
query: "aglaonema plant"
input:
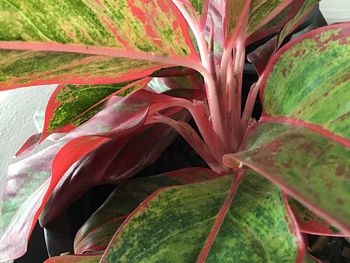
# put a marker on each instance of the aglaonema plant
(130, 73)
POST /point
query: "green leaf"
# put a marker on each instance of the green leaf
(311, 223)
(99, 229)
(147, 26)
(303, 141)
(89, 42)
(29, 68)
(306, 8)
(71, 105)
(204, 222)
(308, 166)
(263, 11)
(309, 80)
(74, 259)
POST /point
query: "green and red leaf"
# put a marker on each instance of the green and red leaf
(157, 230)
(309, 80)
(71, 105)
(113, 162)
(74, 259)
(264, 11)
(99, 229)
(32, 180)
(302, 143)
(94, 42)
(311, 168)
(311, 223)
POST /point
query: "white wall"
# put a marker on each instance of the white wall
(17, 107)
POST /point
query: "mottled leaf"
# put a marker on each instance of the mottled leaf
(159, 231)
(311, 168)
(151, 26)
(311, 223)
(258, 227)
(28, 186)
(23, 68)
(263, 11)
(87, 37)
(31, 181)
(99, 229)
(71, 105)
(113, 162)
(276, 20)
(309, 80)
(74, 259)
(306, 8)
(261, 56)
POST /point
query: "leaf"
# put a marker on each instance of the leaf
(98, 230)
(89, 42)
(263, 11)
(311, 168)
(23, 68)
(261, 56)
(74, 259)
(29, 185)
(71, 105)
(298, 18)
(303, 141)
(314, 73)
(158, 230)
(29, 144)
(113, 162)
(235, 12)
(310, 223)
(99, 23)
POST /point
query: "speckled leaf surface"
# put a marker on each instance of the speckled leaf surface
(257, 227)
(34, 52)
(308, 166)
(111, 163)
(159, 231)
(275, 20)
(99, 229)
(35, 178)
(263, 11)
(145, 26)
(305, 9)
(71, 105)
(233, 16)
(309, 80)
(74, 259)
(311, 223)
(29, 68)
(27, 187)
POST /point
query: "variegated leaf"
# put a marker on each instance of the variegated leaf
(89, 42)
(158, 230)
(99, 229)
(74, 259)
(303, 142)
(71, 105)
(32, 180)
(311, 223)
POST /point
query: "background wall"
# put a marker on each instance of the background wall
(17, 107)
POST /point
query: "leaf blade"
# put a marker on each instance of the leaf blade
(317, 166)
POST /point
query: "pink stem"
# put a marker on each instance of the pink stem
(198, 111)
(187, 132)
(249, 106)
(212, 93)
